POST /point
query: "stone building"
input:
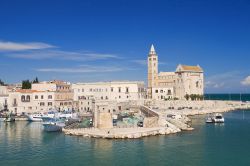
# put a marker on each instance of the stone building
(122, 91)
(167, 85)
(42, 97)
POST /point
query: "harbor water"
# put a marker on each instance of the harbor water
(24, 143)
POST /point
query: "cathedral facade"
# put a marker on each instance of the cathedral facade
(186, 80)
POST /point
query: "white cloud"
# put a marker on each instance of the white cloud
(82, 69)
(140, 62)
(13, 46)
(246, 81)
(63, 55)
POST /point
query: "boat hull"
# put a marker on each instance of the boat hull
(53, 127)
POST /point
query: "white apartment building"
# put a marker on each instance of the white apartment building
(85, 93)
(42, 97)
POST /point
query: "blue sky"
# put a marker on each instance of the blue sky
(95, 40)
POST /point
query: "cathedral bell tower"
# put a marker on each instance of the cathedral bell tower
(152, 70)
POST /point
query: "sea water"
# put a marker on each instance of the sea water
(24, 143)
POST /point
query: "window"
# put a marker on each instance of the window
(161, 91)
(42, 97)
(119, 89)
(15, 103)
(127, 89)
(49, 103)
(22, 98)
(169, 92)
(28, 98)
(50, 97)
(197, 84)
(156, 91)
(42, 104)
(112, 89)
(36, 96)
(82, 90)
(61, 103)
(106, 97)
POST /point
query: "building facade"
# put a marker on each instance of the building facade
(42, 97)
(86, 93)
(3, 97)
(168, 85)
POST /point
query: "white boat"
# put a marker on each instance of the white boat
(50, 115)
(37, 117)
(66, 115)
(209, 120)
(52, 126)
(218, 118)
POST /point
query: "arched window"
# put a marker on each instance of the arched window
(197, 84)
(36, 96)
(28, 98)
(22, 98)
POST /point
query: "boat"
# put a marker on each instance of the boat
(209, 120)
(50, 115)
(36, 117)
(218, 118)
(53, 125)
(9, 119)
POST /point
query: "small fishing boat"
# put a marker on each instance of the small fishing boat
(209, 120)
(9, 119)
(53, 126)
(36, 117)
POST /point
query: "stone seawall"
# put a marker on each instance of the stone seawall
(121, 133)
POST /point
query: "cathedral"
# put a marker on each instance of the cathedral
(186, 80)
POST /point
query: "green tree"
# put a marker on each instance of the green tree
(26, 84)
(193, 97)
(1, 82)
(187, 96)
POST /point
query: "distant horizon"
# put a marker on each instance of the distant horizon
(90, 41)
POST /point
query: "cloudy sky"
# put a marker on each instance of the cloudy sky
(94, 40)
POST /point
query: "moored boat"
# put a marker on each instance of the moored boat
(209, 120)
(53, 126)
(216, 118)
(37, 117)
